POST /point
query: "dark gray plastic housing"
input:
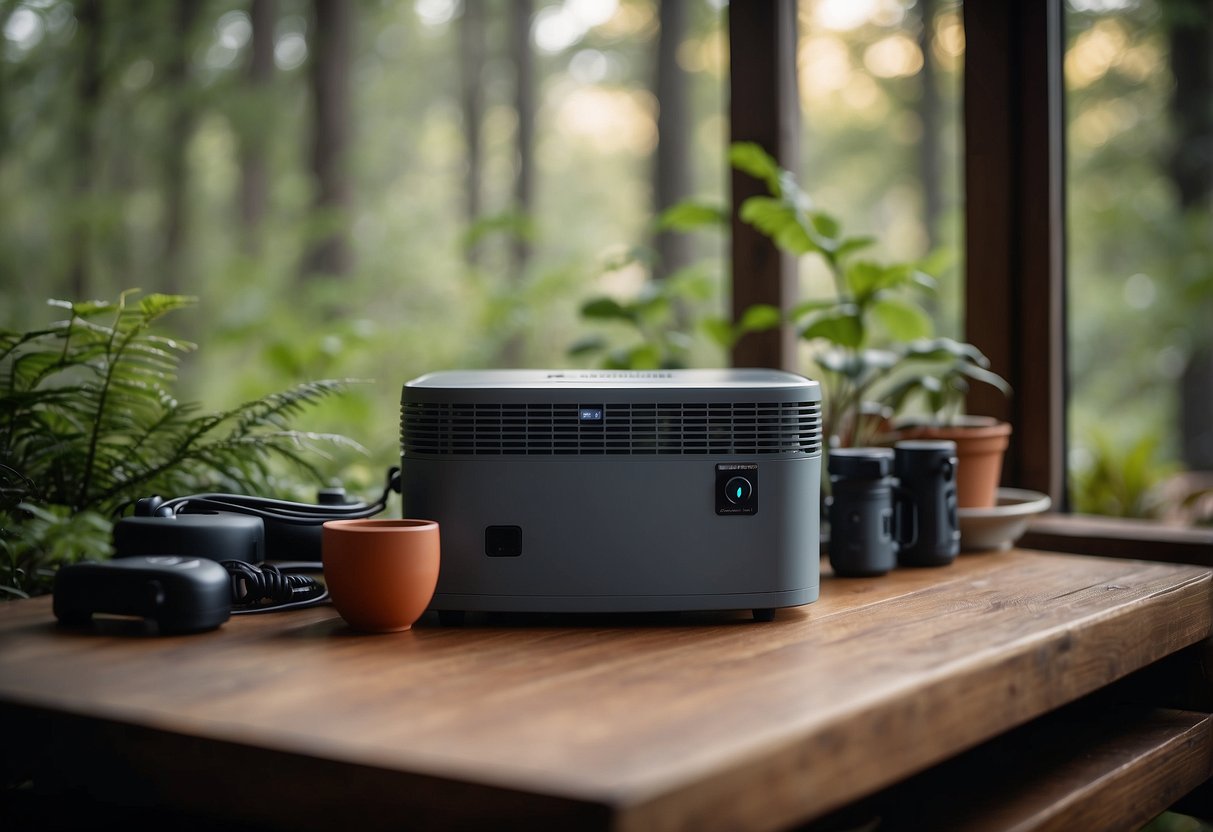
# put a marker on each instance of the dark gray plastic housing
(615, 484)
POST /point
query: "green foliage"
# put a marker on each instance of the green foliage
(1120, 481)
(658, 325)
(88, 423)
(514, 224)
(873, 338)
(653, 337)
(940, 370)
(690, 215)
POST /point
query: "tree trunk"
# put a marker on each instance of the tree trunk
(928, 115)
(330, 78)
(254, 176)
(1190, 28)
(471, 73)
(181, 127)
(6, 11)
(524, 104)
(84, 140)
(672, 175)
(512, 353)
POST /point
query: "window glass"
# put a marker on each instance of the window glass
(1139, 247)
(880, 86)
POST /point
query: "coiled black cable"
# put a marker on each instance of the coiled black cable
(267, 588)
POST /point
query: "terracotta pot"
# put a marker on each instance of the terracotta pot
(981, 442)
(381, 574)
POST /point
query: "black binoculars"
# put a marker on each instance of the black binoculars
(893, 506)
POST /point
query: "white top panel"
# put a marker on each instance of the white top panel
(728, 379)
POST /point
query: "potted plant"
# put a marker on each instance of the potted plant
(939, 373)
(873, 341)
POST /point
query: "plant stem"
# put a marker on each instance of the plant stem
(95, 434)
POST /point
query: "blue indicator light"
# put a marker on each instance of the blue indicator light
(739, 492)
(590, 414)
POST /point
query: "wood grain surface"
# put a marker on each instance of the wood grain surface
(631, 722)
(1104, 763)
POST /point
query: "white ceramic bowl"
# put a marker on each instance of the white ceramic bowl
(997, 528)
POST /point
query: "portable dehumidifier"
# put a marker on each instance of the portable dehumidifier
(574, 491)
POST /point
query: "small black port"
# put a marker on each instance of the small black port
(503, 541)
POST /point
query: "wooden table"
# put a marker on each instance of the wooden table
(636, 723)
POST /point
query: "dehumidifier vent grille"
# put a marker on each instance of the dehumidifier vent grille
(663, 429)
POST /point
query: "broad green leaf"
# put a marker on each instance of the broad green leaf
(904, 321)
(691, 215)
(853, 244)
(927, 386)
(857, 364)
(863, 278)
(760, 317)
(644, 357)
(939, 260)
(866, 278)
(767, 213)
(719, 331)
(802, 309)
(653, 307)
(780, 222)
(824, 229)
(941, 349)
(989, 377)
(842, 328)
(604, 308)
(796, 240)
(749, 157)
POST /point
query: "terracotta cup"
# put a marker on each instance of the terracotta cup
(380, 574)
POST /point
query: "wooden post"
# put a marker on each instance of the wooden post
(764, 107)
(1015, 228)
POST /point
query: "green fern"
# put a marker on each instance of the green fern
(88, 423)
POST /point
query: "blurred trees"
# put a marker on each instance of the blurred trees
(1140, 251)
(178, 79)
(522, 13)
(88, 99)
(254, 142)
(672, 173)
(230, 146)
(471, 98)
(331, 38)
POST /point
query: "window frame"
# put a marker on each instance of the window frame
(1015, 239)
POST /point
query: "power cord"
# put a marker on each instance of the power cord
(267, 588)
(283, 511)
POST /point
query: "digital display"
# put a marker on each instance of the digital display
(590, 414)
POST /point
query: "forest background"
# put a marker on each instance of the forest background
(382, 188)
